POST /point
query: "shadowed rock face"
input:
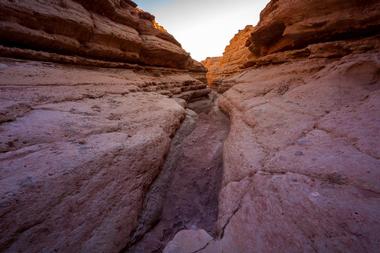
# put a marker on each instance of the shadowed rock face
(110, 30)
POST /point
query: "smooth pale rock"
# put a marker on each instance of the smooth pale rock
(187, 241)
(74, 173)
(314, 186)
(79, 147)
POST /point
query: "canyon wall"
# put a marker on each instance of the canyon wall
(286, 27)
(301, 161)
(91, 94)
(234, 57)
(110, 30)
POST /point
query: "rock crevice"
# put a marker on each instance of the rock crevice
(300, 161)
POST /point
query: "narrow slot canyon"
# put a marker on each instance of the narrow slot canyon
(115, 139)
(185, 194)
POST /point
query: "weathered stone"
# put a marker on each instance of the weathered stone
(301, 159)
(109, 30)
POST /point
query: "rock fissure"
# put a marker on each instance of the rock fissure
(185, 194)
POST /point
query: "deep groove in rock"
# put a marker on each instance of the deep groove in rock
(185, 194)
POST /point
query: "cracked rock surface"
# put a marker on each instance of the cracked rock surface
(185, 195)
(79, 148)
(301, 164)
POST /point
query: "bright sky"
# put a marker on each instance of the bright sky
(204, 27)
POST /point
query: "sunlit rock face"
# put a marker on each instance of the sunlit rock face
(301, 162)
(91, 94)
(106, 30)
(234, 57)
(286, 27)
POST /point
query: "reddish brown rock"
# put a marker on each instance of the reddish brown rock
(286, 25)
(108, 30)
(295, 26)
(234, 57)
(91, 95)
(83, 144)
(301, 161)
(212, 64)
(79, 147)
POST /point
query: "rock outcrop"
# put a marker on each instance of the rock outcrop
(234, 57)
(109, 30)
(286, 27)
(301, 162)
(293, 25)
(91, 94)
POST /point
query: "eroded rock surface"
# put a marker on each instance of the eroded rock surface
(91, 95)
(293, 29)
(185, 195)
(301, 161)
(108, 30)
(234, 58)
(73, 173)
(79, 148)
(287, 25)
(91, 158)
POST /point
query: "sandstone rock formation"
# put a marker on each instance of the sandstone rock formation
(301, 161)
(112, 30)
(286, 27)
(79, 148)
(234, 57)
(91, 94)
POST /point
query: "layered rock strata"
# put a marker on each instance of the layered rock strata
(91, 95)
(301, 161)
(79, 148)
(284, 28)
(234, 57)
(110, 30)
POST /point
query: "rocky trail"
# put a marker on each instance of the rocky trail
(185, 194)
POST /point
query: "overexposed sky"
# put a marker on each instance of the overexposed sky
(204, 27)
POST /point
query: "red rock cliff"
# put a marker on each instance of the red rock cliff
(286, 26)
(109, 30)
(234, 57)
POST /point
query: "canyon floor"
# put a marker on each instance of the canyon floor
(187, 189)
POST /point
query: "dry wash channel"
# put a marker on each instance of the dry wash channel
(185, 194)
